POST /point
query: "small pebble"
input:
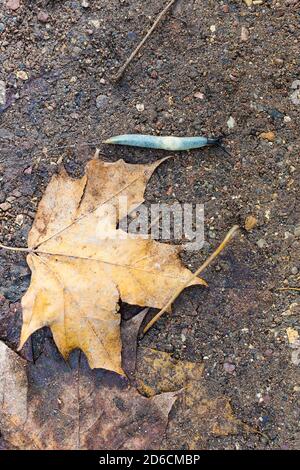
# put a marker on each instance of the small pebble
(250, 222)
(2, 27)
(140, 107)
(269, 136)
(101, 101)
(20, 219)
(85, 4)
(268, 352)
(95, 23)
(43, 16)
(22, 75)
(213, 28)
(225, 8)
(154, 75)
(297, 231)
(244, 34)
(231, 123)
(287, 119)
(2, 93)
(294, 270)
(278, 61)
(261, 243)
(13, 4)
(292, 335)
(2, 196)
(199, 95)
(229, 368)
(5, 206)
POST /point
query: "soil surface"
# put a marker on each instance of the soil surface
(210, 68)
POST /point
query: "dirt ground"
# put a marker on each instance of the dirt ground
(209, 61)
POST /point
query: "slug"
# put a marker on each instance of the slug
(164, 143)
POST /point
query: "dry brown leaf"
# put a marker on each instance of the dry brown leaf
(50, 405)
(196, 416)
(84, 264)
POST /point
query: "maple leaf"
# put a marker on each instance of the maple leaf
(49, 405)
(82, 264)
(197, 416)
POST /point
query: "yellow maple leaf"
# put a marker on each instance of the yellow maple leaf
(82, 264)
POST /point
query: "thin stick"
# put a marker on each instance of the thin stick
(216, 253)
(290, 288)
(119, 75)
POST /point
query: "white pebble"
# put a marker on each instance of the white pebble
(231, 123)
(2, 93)
(140, 107)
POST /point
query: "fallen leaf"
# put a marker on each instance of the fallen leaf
(129, 334)
(84, 264)
(196, 416)
(10, 325)
(50, 405)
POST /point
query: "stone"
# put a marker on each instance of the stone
(20, 219)
(297, 231)
(244, 34)
(229, 368)
(22, 75)
(2, 196)
(140, 107)
(250, 222)
(2, 93)
(231, 123)
(269, 136)
(261, 243)
(5, 206)
(5, 134)
(13, 4)
(43, 16)
(102, 101)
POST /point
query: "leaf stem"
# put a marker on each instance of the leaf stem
(15, 248)
(206, 263)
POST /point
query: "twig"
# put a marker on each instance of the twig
(120, 73)
(290, 288)
(216, 253)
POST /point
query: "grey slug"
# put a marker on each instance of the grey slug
(164, 143)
